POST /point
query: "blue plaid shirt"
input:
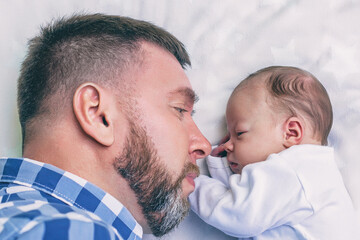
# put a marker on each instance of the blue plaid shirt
(40, 201)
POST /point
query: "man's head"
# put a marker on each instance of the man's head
(273, 109)
(84, 48)
(106, 97)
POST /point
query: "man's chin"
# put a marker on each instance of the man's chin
(170, 218)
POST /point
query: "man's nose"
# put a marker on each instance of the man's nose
(199, 146)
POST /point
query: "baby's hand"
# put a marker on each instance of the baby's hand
(220, 151)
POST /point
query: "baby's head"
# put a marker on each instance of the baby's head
(274, 109)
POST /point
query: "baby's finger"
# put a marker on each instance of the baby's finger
(217, 152)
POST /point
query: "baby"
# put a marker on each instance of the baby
(286, 184)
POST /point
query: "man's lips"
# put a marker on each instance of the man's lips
(190, 177)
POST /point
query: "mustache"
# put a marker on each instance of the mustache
(189, 168)
(192, 168)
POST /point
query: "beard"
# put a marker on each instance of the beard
(158, 195)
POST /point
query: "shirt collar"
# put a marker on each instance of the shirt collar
(72, 190)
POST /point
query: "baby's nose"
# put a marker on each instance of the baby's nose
(228, 146)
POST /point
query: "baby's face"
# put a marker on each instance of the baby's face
(255, 130)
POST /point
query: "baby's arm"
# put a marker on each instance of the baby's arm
(263, 197)
(217, 162)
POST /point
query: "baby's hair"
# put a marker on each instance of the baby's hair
(297, 92)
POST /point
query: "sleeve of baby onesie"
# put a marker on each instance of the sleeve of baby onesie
(264, 196)
(219, 169)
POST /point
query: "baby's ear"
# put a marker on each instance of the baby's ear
(293, 132)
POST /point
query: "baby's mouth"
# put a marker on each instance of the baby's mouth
(233, 165)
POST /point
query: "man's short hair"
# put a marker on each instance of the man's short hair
(83, 48)
(298, 93)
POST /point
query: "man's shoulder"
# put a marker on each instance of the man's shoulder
(34, 219)
(36, 197)
(41, 219)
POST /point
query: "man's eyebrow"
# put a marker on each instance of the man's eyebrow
(188, 93)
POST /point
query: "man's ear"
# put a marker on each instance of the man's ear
(293, 132)
(92, 111)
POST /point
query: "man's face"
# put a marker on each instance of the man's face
(163, 141)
